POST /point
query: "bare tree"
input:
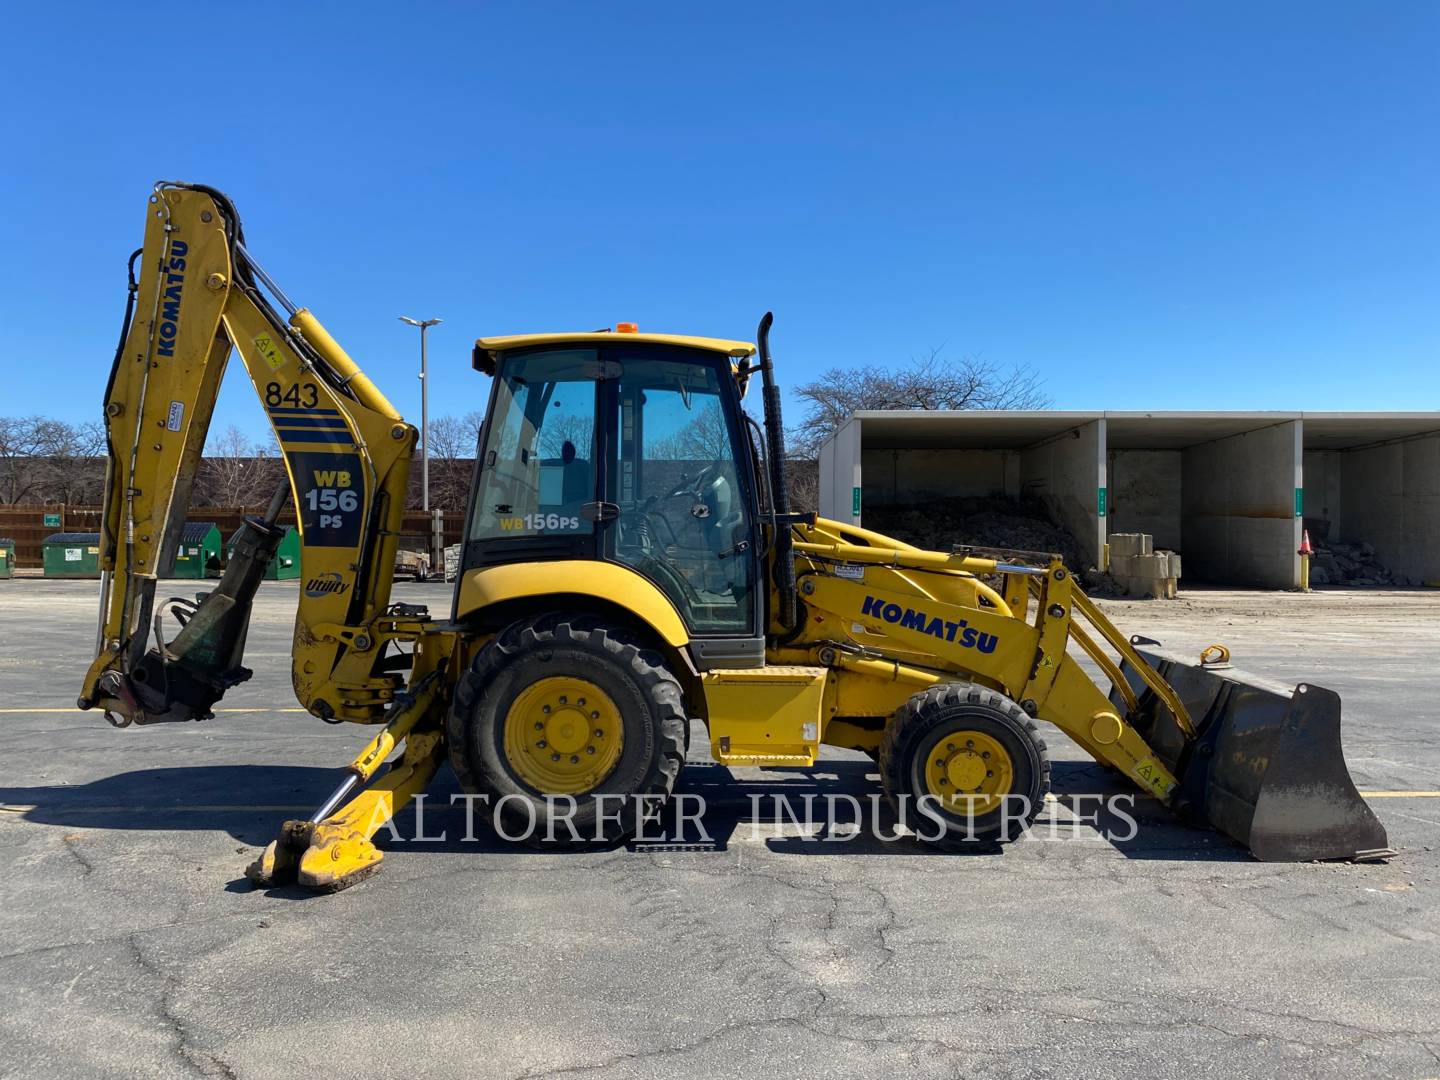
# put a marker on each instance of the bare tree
(704, 439)
(45, 460)
(929, 382)
(559, 429)
(21, 471)
(236, 471)
(802, 481)
(452, 442)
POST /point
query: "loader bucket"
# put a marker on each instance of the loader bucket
(1265, 767)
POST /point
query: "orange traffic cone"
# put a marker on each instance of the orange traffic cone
(1305, 548)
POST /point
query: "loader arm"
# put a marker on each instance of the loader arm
(1256, 760)
(346, 452)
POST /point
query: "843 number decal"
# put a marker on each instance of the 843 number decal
(301, 395)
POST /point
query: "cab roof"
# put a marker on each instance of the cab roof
(487, 348)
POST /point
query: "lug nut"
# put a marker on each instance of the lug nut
(578, 701)
(599, 734)
(545, 708)
(574, 759)
(969, 744)
(594, 714)
(539, 726)
(554, 757)
(541, 744)
(590, 749)
(950, 746)
(985, 754)
(988, 774)
(563, 699)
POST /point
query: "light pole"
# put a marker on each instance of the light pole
(423, 324)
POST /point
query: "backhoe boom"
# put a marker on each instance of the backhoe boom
(346, 452)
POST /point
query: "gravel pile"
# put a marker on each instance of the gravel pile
(997, 521)
(1336, 563)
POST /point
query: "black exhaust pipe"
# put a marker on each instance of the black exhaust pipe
(779, 486)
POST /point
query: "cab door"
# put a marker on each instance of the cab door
(676, 480)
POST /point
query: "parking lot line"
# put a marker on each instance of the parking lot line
(200, 808)
(77, 711)
(1401, 794)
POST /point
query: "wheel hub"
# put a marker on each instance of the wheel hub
(969, 771)
(563, 735)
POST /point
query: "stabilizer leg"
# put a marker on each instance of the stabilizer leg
(340, 852)
(333, 850)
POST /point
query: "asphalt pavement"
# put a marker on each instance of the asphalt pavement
(131, 945)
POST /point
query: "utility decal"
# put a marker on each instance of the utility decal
(961, 633)
(327, 584)
(172, 280)
(330, 496)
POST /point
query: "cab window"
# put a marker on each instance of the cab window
(537, 468)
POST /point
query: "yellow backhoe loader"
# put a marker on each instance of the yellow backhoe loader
(630, 565)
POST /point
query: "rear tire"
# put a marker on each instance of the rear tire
(507, 723)
(976, 755)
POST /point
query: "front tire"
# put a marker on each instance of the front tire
(964, 767)
(555, 709)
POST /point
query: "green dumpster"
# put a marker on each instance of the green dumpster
(72, 555)
(285, 566)
(199, 550)
(7, 557)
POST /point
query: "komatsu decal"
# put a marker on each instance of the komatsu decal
(173, 282)
(961, 633)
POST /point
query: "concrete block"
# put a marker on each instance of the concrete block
(1142, 589)
(1156, 589)
(1130, 544)
(1122, 567)
(1151, 567)
(1174, 565)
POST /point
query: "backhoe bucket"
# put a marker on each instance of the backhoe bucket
(1266, 766)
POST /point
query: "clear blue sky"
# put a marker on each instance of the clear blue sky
(1204, 205)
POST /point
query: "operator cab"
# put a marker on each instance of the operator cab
(630, 448)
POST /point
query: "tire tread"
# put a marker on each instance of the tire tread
(538, 637)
